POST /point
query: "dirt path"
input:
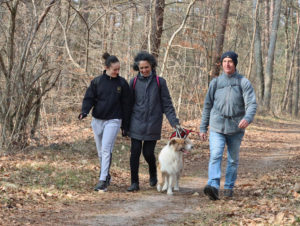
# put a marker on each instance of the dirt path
(269, 159)
(264, 149)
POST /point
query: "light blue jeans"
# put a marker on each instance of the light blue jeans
(217, 143)
(105, 133)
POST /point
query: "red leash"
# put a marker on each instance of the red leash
(183, 133)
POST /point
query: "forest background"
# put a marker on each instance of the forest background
(50, 50)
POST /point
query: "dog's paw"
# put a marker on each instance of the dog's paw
(169, 192)
(158, 188)
(165, 187)
(176, 188)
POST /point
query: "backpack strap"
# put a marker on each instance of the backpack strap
(134, 82)
(157, 80)
(135, 79)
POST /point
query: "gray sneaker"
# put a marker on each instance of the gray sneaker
(101, 186)
(228, 193)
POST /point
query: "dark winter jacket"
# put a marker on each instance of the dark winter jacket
(150, 102)
(229, 99)
(110, 99)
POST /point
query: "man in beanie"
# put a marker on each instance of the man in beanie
(229, 107)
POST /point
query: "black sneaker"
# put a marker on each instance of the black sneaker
(133, 187)
(211, 192)
(101, 186)
(108, 180)
(153, 181)
(228, 193)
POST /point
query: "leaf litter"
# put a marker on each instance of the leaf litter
(53, 184)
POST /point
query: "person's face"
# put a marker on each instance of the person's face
(113, 70)
(145, 68)
(228, 66)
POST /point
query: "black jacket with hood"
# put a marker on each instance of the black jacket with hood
(110, 99)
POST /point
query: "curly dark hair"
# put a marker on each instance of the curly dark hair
(109, 59)
(144, 56)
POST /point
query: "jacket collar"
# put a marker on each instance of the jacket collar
(140, 76)
(109, 77)
(230, 76)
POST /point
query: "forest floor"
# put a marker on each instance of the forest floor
(53, 184)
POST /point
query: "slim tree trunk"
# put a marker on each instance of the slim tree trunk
(271, 51)
(266, 32)
(112, 21)
(158, 26)
(297, 72)
(258, 57)
(255, 24)
(220, 39)
(297, 84)
(130, 38)
(290, 77)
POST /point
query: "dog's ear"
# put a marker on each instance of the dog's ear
(173, 141)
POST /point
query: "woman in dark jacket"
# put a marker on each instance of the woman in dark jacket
(109, 97)
(151, 99)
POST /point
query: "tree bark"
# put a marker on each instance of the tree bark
(290, 77)
(158, 28)
(255, 25)
(220, 39)
(258, 56)
(271, 51)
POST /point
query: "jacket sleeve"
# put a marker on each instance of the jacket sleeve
(249, 100)
(89, 99)
(126, 105)
(208, 104)
(167, 104)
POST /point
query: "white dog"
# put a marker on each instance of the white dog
(170, 164)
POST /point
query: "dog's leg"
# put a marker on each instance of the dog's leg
(160, 178)
(166, 180)
(176, 182)
(170, 184)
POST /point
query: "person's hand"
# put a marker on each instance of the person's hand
(124, 133)
(243, 124)
(178, 127)
(203, 136)
(82, 116)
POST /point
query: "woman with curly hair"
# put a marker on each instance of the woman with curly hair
(151, 98)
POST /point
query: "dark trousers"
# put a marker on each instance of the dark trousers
(148, 152)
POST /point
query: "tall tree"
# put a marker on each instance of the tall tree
(157, 28)
(258, 55)
(220, 39)
(271, 52)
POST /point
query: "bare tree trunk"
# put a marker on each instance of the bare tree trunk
(267, 29)
(147, 28)
(158, 28)
(290, 77)
(255, 25)
(297, 72)
(130, 38)
(297, 84)
(111, 31)
(105, 33)
(258, 56)
(220, 39)
(271, 51)
(287, 48)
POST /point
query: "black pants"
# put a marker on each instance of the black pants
(148, 153)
